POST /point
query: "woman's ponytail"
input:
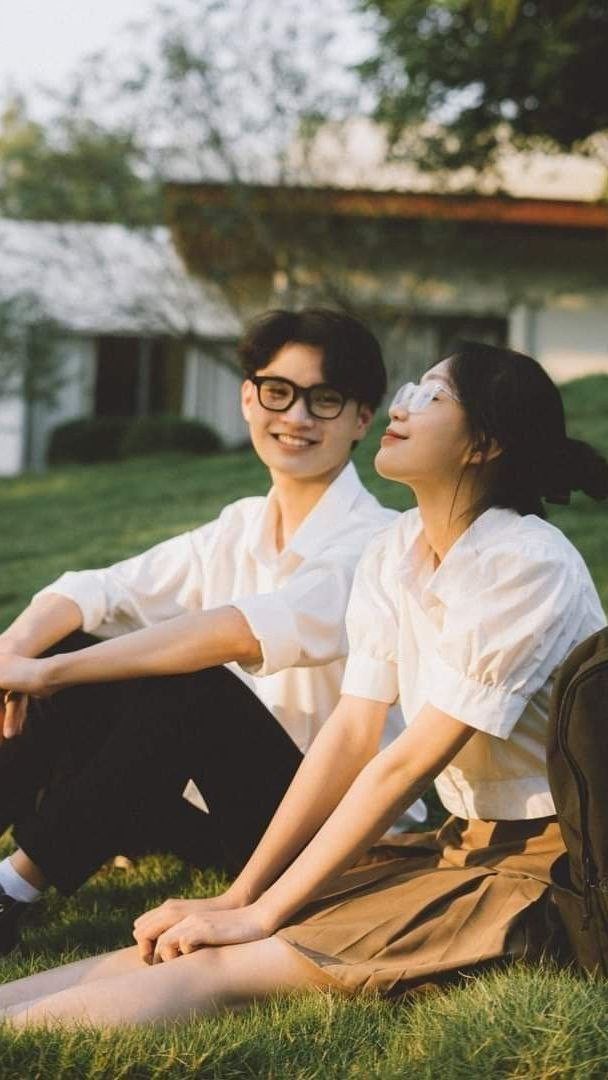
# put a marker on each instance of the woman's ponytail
(576, 466)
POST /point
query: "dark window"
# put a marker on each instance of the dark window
(138, 376)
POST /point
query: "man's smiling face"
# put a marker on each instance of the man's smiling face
(294, 443)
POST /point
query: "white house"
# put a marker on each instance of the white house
(138, 333)
(515, 256)
(519, 258)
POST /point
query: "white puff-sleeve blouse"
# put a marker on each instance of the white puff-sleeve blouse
(479, 637)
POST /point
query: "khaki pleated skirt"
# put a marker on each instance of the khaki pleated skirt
(429, 906)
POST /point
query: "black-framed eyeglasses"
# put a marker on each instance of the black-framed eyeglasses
(278, 395)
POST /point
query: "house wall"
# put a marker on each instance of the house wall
(569, 338)
(12, 429)
(77, 357)
(409, 280)
(212, 392)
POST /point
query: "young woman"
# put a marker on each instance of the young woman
(464, 608)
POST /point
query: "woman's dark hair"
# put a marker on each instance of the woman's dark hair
(508, 397)
(352, 358)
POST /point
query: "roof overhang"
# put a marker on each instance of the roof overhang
(362, 203)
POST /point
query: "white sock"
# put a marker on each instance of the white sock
(15, 886)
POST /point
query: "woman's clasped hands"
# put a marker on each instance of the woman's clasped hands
(178, 927)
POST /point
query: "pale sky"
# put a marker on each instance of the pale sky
(42, 40)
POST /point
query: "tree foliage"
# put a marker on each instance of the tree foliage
(232, 93)
(477, 66)
(72, 170)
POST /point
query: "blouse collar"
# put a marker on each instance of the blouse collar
(417, 567)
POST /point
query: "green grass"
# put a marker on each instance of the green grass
(531, 1024)
(520, 1023)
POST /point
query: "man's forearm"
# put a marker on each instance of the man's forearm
(183, 644)
(46, 621)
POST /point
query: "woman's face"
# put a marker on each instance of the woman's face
(431, 446)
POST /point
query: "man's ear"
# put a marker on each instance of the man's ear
(365, 415)
(247, 396)
(483, 456)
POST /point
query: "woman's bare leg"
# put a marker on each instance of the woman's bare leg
(62, 978)
(204, 982)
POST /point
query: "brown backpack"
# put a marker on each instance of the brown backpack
(577, 764)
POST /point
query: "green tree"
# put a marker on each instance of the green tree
(532, 68)
(74, 169)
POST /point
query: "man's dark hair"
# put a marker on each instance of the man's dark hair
(352, 359)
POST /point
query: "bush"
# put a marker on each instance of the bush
(154, 434)
(108, 438)
(88, 440)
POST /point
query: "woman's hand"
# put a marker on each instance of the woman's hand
(148, 928)
(181, 926)
(214, 928)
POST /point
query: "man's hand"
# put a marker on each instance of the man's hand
(153, 925)
(13, 711)
(24, 675)
(19, 676)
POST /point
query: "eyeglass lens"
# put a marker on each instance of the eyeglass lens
(411, 396)
(321, 401)
(416, 397)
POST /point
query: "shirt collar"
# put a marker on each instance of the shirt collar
(417, 570)
(312, 534)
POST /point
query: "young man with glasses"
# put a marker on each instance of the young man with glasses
(224, 646)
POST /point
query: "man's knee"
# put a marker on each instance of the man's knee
(72, 643)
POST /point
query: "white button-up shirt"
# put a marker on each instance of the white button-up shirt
(294, 600)
(480, 638)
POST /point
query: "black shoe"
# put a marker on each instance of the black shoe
(10, 913)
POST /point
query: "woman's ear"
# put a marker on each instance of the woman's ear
(481, 456)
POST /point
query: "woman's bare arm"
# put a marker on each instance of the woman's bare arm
(389, 782)
(344, 745)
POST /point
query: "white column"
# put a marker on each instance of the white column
(522, 329)
(190, 390)
(12, 436)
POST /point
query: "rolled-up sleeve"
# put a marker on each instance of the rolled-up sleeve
(372, 627)
(301, 624)
(501, 641)
(163, 582)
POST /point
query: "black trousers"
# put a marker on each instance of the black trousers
(101, 769)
